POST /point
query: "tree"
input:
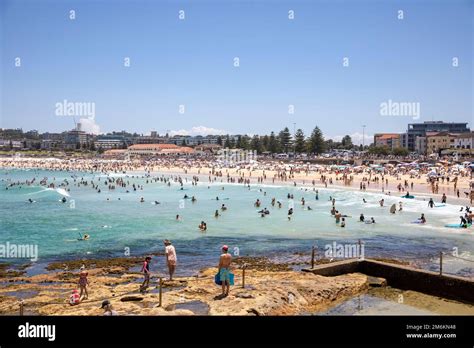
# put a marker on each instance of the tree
(256, 144)
(379, 150)
(244, 142)
(183, 143)
(284, 138)
(273, 144)
(265, 143)
(227, 142)
(400, 151)
(347, 142)
(219, 140)
(232, 143)
(316, 142)
(299, 141)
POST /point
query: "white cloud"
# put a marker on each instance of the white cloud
(89, 126)
(356, 138)
(199, 130)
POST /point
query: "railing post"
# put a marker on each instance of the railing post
(21, 307)
(312, 257)
(161, 291)
(440, 263)
(243, 276)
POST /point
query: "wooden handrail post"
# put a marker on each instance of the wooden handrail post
(312, 257)
(440, 263)
(161, 291)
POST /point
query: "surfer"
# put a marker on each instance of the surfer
(361, 218)
(216, 214)
(431, 203)
(463, 223)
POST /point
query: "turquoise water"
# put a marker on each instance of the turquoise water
(126, 223)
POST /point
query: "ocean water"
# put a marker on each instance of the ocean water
(115, 225)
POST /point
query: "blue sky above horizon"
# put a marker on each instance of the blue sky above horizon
(190, 62)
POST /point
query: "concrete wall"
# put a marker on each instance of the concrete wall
(405, 278)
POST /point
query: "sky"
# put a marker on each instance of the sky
(182, 76)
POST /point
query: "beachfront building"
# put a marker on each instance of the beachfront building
(391, 140)
(107, 142)
(438, 141)
(8, 144)
(75, 139)
(115, 154)
(159, 150)
(208, 149)
(464, 141)
(420, 130)
(151, 139)
(420, 145)
(187, 140)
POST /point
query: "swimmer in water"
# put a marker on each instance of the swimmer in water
(361, 218)
(63, 200)
(142, 200)
(343, 222)
(363, 199)
(178, 218)
(422, 219)
(216, 214)
(290, 213)
(223, 207)
(400, 206)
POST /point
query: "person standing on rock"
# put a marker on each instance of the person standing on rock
(83, 282)
(146, 274)
(171, 258)
(224, 270)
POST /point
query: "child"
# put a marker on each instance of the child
(83, 282)
(74, 299)
(146, 273)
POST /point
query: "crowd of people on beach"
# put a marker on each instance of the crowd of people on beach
(309, 177)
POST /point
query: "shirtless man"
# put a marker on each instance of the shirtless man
(224, 270)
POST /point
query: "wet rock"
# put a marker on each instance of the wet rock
(244, 295)
(376, 282)
(131, 298)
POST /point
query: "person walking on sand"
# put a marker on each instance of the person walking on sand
(224, 270)
(171, 258)
(83, 282)
(146, 273)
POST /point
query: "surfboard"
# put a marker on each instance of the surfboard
(456, 225)
(409, 197)
(439, 205)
